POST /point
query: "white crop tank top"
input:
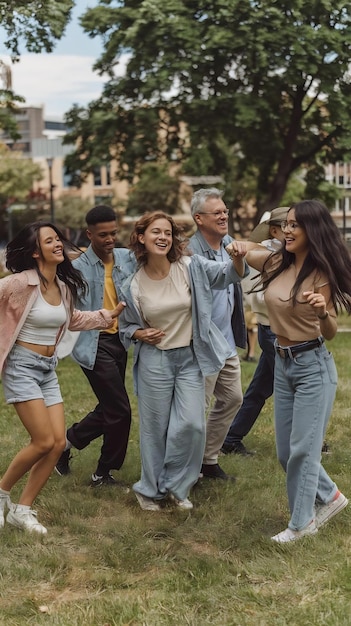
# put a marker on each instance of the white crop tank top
(43, 322)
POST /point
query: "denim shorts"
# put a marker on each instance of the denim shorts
(30, 376)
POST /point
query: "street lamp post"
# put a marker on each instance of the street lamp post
(50, 162)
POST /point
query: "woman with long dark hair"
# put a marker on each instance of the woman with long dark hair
(168, 318)
(306, 284)
(36, 307)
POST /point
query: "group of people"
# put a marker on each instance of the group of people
(179, 304)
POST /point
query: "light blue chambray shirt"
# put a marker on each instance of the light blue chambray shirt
(93, 271)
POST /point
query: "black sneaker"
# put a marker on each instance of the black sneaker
(62, 465)
(215, 471)
(99, 481)
(236, 448)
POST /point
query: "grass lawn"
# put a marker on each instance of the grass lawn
(105, 562)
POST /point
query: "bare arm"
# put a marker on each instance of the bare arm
(152, 336)
(254, 253)
(326, 317)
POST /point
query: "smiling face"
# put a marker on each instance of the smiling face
(50, 250)
(103, 238)
(157, 238)
(212, 220)
(296, 240)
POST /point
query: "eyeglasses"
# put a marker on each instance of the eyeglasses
(215, 213)
(292, 226)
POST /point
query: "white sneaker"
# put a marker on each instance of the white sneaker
(186, 505)
(25, 518)
(324, 512)
(288, 535)
(147, 504)
(5, 503)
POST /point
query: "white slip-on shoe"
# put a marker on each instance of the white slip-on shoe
(185, 505)
(147, 504)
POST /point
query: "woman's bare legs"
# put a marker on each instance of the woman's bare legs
(46, 427)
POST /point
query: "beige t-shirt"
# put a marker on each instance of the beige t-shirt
(166, 304)
(299, 322)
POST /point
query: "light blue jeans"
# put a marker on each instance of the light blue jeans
(171, 400)
(304, 392)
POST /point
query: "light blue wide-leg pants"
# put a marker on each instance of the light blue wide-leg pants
(171, 400)
(304, 392)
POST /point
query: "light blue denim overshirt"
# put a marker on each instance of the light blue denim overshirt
(93, 271)
(199, 245)
(210, 347)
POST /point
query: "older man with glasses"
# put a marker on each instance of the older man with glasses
(210, 215)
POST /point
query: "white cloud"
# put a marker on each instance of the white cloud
(56, 81)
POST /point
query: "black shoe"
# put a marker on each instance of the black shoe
(99, 481)
(249, 359)
(62, 465)
(326, 447)
(236, 448)
(215, 471)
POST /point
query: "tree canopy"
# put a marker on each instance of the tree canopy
(17, 176)
(268, 78)
(35, 25)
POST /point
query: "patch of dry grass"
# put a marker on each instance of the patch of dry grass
(107, 563)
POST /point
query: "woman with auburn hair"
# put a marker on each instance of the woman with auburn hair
(36, 307)
(305, 283)
(168, 318)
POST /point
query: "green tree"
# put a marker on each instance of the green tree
(35, 25)
(270, 76)
(17, 176)
(155, 190)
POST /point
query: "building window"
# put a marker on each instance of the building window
(69, 179)
(108, 175)
(97, 176)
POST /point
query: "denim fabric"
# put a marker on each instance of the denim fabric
(30, 376)
(199, 245)
(258, 391)
(92, 268)
(304, 392)
(210, 347)
(171, 404)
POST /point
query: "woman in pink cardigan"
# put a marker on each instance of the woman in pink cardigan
(36, 307)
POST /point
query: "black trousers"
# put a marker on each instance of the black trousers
(111, 417)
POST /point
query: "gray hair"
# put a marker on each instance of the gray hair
(201, 196)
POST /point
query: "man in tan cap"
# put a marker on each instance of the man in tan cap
(269, 234)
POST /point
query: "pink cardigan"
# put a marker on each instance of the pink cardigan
(17, 295)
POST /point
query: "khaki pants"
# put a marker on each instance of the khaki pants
(225, 386)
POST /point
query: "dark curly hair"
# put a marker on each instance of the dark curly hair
(327, 253)
(19, 257)
(178, 248)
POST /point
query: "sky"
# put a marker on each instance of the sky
(64, 77)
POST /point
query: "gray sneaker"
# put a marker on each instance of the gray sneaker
(5, 503)
(25, 518)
